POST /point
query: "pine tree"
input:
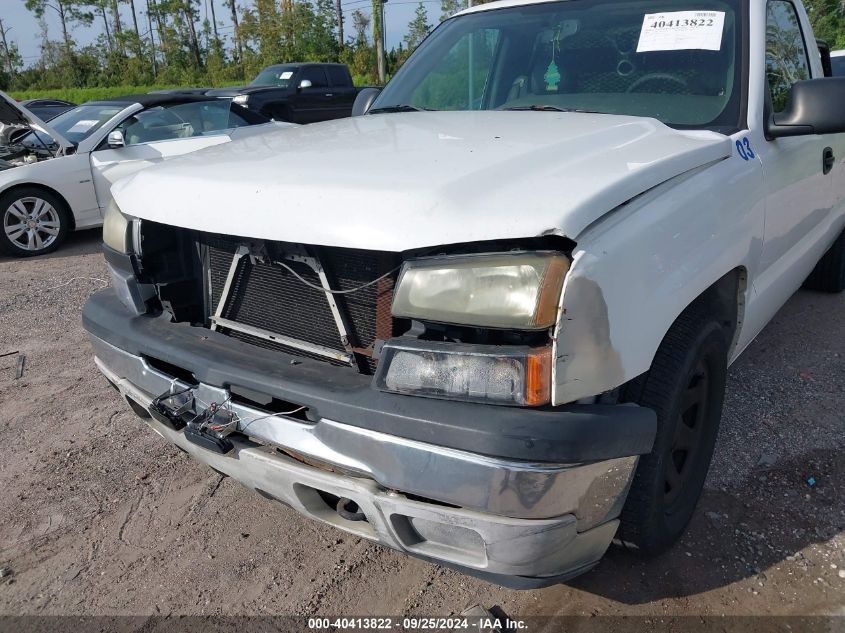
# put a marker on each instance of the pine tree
(448, 8)
(418, 28)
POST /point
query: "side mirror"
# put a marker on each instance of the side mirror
(814, 107)
(364, 101)
(305, 83)
(116, 140)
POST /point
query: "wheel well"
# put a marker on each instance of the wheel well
(51, 191)
(725, 300)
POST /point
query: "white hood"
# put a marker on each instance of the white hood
(402, 181)
(13, 113)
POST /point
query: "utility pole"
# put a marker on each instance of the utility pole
(378, 19)
(339, 10)
(3, 32)
(152, 40)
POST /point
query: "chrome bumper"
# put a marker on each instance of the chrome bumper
(513, 519)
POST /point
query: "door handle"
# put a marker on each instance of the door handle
(330, 94)
(828, 160)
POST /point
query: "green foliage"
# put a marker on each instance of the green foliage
(419, 27)
(81, 95)
(828, 19)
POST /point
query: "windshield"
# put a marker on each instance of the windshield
(838, 66)
(274, 76)
(76, 125)
(676, 61)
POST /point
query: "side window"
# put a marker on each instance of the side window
(151, 125)
(460, 78)
(338, 76)
(786, 55)
(316, 75)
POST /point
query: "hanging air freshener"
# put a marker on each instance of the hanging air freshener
(552, 76)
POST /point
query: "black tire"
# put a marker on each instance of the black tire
(829, 273)
(685, 387)
(18, 208)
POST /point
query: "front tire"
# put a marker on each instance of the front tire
(829, 273)
(32, 222)
(685, 387)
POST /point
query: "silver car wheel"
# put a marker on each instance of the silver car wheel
(31, 223)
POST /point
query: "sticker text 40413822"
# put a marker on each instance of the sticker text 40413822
(682, 30)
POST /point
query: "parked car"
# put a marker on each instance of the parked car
(837, 59)
(489, 322)
(46, 109)
(56, 178)
(299, 93)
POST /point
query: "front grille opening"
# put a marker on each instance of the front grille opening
(173, 371)
(266, 295)
(268, 404)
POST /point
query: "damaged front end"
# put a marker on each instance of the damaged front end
(396, 396)
(24, 138)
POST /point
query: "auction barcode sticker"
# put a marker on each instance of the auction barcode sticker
(682, 30)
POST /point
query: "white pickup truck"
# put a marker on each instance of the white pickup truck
(488, 322)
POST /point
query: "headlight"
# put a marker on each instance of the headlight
(241, 99)
(117, 229)
(507, 290)
(513, 375)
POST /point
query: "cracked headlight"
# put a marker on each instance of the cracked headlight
(504, 290)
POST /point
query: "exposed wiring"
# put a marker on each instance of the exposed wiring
(72, 279)
(242, 424)
(265, 417)
(337, 292)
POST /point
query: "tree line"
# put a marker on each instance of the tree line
(170, 42)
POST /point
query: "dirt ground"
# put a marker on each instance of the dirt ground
(99, 516)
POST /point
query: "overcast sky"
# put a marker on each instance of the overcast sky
(26, 34)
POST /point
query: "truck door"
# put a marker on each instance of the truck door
(312, 103)
(799, 186)
(342, 93)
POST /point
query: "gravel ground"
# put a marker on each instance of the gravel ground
(99, 516)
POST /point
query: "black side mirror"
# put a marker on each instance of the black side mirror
(824, 51)
(364, 101)
(815, 107)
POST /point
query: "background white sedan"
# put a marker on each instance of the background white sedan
(56, 178)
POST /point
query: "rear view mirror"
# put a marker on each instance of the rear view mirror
(305, 83)
(814, 107)
(116, 140)
(364, 101)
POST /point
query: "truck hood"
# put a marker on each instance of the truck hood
(402, 181)
(13, 113)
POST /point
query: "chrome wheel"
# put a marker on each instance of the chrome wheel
(31, 223)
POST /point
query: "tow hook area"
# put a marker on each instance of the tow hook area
(207, 426)
(349, 510)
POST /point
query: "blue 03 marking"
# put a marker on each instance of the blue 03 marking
(743, 147)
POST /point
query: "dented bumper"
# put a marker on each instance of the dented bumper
(506, 512)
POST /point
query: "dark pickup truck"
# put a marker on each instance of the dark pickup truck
(299, 93)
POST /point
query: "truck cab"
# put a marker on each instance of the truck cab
(298, 93)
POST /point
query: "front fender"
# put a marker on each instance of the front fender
(635, 271)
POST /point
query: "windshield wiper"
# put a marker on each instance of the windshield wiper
(539, 107)
(400, 108)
